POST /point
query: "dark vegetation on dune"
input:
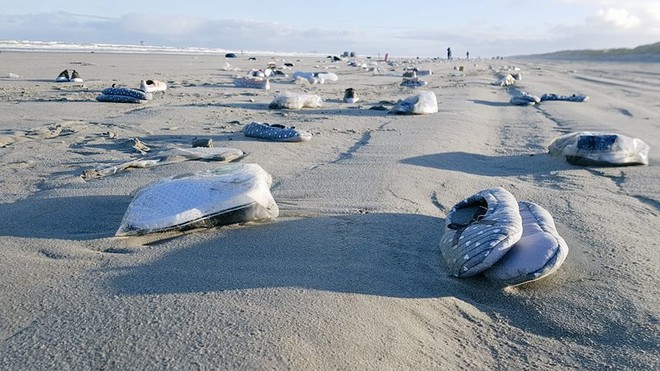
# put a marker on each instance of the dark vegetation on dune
(649, 52)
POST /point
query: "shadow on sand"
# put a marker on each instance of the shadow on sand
(477, 164)
(393, 255)
(381, 254)
(67, 218)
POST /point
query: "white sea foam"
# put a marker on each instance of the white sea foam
(60, 46)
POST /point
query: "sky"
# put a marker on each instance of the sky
(484, 28)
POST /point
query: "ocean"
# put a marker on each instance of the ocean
(60, 46)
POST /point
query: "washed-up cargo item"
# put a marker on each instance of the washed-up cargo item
(234, 193)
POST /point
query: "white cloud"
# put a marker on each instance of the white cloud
(653, 11)
(619, 18)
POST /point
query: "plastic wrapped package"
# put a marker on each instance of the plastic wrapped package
(600, 149)
(288, 100)
(539, 252)
(230, 194)
(425, 102)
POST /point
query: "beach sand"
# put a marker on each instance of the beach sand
(350, 275)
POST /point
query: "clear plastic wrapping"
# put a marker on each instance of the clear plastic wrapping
(600, 149)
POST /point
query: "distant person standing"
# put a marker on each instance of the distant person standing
(449, 54)
(467, 55)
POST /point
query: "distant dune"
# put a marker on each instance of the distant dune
(643, 53)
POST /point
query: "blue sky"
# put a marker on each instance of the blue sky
(400, 28)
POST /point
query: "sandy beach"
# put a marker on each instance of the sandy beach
(349, 276)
